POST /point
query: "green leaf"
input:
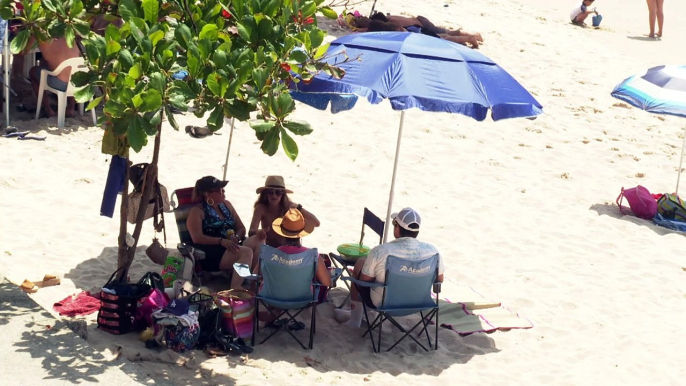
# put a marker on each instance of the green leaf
(298, 56)
(316, 38)
(113, 47)
(243, 32)
(94, 103)
(328, 13)
(213, 81)
(289, 146)
(308, 9)
(82, 78)
(20, 41)
(125, 59)
(158, 82)
(182, 88)
(135, 72)
(321, 51)
(170, 118)
(238, 109)
(151, 10)
(49, 5)
(84, 94)
(220, 59)
(138, 138)
(262, 126)
(112, 32)
(82, 28)
(285, 103)
(270, 144)
(128, 9)
(216, 119)
(114, 108)
(178, 101)
(156, 37)
(210, 32)
(69, 36)
(298, 127)
(183, 35)
(152, 101)
(76, 9)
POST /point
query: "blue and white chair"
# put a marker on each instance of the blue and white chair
(286, 284)
(407, 291)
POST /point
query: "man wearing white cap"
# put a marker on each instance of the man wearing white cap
(373, 269)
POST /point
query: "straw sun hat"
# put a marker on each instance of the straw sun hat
(292, 225)
(274, 182)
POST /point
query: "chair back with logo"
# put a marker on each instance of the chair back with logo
(287, 279)
(408, 285)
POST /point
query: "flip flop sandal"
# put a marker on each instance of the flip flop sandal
(15, 134)
(28, 287)
(296, 326)
(277, 323)
(48, 281)
(228, 344)
(198, 131)
(213, 351)
(34, 137)
(10, 129)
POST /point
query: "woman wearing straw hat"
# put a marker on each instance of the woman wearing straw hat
(292, 227)
(272, 204)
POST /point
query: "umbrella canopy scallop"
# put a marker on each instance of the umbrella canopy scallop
(659, 90)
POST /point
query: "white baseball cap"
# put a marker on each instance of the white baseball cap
(406, 218)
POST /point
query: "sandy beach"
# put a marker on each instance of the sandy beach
(522, 211)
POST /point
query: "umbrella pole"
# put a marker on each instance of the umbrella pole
(6, 53)
(681, 162)
(395, 169)
(226, 163)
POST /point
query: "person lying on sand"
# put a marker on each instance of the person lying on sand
(378, 25)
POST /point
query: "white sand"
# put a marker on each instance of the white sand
(521, 210)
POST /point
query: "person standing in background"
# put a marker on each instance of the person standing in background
(655, 12)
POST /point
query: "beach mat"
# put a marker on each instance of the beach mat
(467, 312)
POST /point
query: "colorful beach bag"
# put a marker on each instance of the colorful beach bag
(640, 201)
(118, 305)
(671, 207)
(238, 309)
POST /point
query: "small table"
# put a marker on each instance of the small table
(350, 253)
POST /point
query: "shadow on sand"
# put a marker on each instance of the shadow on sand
(332, 341)
(613, 211)
(644, 38)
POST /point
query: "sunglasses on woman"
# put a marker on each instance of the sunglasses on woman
(273, 192)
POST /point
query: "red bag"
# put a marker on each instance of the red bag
(640, 201)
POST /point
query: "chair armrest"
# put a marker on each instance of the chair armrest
(362, 283)
(343, 262)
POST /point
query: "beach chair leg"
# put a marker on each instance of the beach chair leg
(426, 326)
(436, 338)
(41, 90)
(408, 333)
(379, 344)
(61, 108)
(313, 323)
(255, 323)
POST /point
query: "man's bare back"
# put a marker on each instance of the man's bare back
(55, 52)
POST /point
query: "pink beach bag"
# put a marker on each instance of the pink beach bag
(641, 202)
(238, 310)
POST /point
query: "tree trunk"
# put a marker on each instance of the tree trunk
(123, 248)
(148, 190)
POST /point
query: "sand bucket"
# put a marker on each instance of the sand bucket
(597, 19)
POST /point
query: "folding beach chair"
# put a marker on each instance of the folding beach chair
(286, 283)
(181, 211)
(374, 223)
(407, 291)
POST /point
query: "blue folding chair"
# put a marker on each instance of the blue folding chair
(407, 291)
(286, 283)
(375, 224)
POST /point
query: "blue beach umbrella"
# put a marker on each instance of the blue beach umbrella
(415, 70)
(659, 90)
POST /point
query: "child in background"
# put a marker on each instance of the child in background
(581, 12)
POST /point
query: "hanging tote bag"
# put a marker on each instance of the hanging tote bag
(238, 309)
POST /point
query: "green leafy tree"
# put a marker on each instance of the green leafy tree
(240, 57)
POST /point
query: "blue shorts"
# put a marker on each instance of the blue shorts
(57, 83)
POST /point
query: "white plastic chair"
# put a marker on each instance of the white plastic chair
(76, 64)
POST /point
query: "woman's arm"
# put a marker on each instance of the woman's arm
(323, 275)
(239, 228)
(255, 222)
(309, 217)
